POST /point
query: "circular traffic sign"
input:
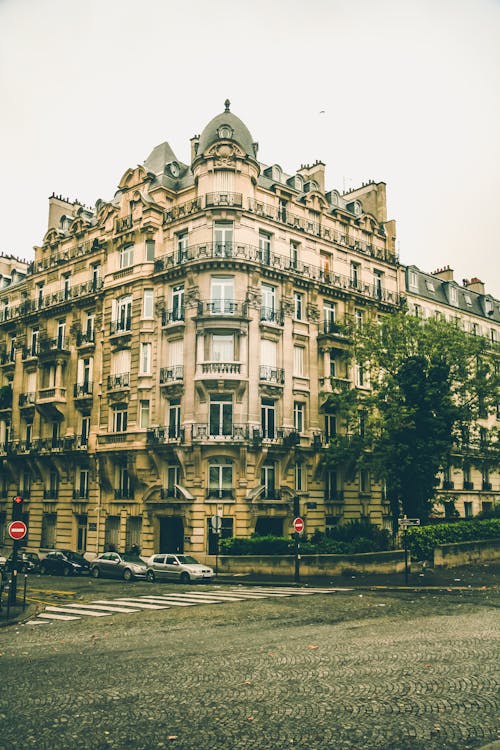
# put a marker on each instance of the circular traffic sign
(298, 525)
(17, 530)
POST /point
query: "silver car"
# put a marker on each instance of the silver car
(182, 568)
(117, 565)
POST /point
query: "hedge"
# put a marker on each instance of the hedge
(423, 539)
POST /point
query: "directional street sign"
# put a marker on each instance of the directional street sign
(216, 523)
(409, 521)
(298, 525)
(17, 530)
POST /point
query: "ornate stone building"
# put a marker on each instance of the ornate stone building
(470, 483)
(167, 354)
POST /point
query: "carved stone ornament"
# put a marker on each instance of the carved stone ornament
(313, 313)
(225, 155)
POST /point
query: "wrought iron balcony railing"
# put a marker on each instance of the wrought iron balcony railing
(120, 326)
(120, 380)
(272, 374)
(82, 390)
(172, 316)
(172, 374)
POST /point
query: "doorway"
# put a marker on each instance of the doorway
(171, 534)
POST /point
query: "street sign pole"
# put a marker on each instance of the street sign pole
(216, 524)
(296, 537)
(405, 522)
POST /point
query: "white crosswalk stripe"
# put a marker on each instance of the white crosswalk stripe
(192, 598)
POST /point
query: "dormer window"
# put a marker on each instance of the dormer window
(468, 299)
(225, 131)
(453, 295)
(430, 285)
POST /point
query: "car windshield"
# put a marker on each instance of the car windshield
(187, 560)
(74, 556)
(129, 557)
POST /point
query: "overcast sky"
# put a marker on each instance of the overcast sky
(401, 91)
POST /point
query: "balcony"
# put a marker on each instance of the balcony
(173, 374)
(219, 369)
(83, 390)
(468, 485)
(334, 496)
(6, 397)
(223, 307)
(119, 382)
(50, 348)
(30, 352)
(219, 494)
(8, 360)
(487, 486)
(123, 224)
(223, 200)
(51, 494)
(334, 329)
(51, 395)
(27, 400)
(124, 493)
(202, 432)
(170, 317)
(448, 485)
(121, 327)
(270, 315)
(81, 494)
(85, 339)
(272, 374)
(164, 435)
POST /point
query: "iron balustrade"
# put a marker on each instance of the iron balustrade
(63, 256)
(272, 374)
(51, 494)
(219, 493)
(27, 399)
(81, 390)
(85, 338)
(271, 315)
(270, 259)
(51, 394)
(172, 316)
(120, 326)
(335, 327)
(203, 432)
(124, 493)
(123, 223)
(233, 200)
(60, 343)
(334, 496)
(81, 494)
(158, 435)
(170, 493)
(120, 380)
(171, 374)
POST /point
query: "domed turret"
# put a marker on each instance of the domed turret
(227, 126)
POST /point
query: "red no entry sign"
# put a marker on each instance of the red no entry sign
(298, 525)
(17, 530)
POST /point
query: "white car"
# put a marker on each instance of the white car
(182, 568)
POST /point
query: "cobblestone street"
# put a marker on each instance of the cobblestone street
(370, 670)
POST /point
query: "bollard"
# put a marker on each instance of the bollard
(24, 591)
(8, 601)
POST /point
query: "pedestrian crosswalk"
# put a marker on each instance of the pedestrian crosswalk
(135, 604)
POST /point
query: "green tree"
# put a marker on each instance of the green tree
(430, 384)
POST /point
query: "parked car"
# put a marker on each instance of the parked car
(64, 562)
(27, 562)
(117, 565)
(182, 568)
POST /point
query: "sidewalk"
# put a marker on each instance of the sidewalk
(470, 577)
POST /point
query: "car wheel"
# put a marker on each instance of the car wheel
(127, 574)
(185, 577)
(95, 572)
(150, 576)
(66, 572)
(43, 570)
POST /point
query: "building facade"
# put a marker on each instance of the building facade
(166, 356)
(470, 483)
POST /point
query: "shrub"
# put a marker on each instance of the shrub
(423, 539)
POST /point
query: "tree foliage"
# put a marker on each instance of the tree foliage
(431, 386)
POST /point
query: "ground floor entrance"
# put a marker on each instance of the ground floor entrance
(171, 534)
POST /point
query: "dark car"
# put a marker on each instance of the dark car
(27, 562)
(64, 562)
(118, 565)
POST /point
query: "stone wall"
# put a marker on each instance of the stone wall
(466, 553)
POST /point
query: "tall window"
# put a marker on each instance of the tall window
(355, 275)
(150, 250)
(298, 415)
(359, 317)
(220, 478)
(122, 313)
(178, 302)
(120, 419)
(294, 255)
(96, 276)
(145, 358)
(330, 426)
(173, 476)
(61, 334)
(361, 374)
(265, 247)
(222, 294)
(144, 413)
(84, 376)
(83, 483)
(221, 414)
(124, 482)
(268, 479)
(147, 303)
(331, 485)
(300, 477)
(329, 316)
(298, 300)
(66, 286)
(377, 290)
(222, 348)
(176, 353)
(89, 326)
(48, 536)
(85, 430)
(223, 238)
(39, 295)
(174, 418)
(298, 361)
(182, 247)
(126, 256)
(268, 308)
(268, 418)
(35, 335)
